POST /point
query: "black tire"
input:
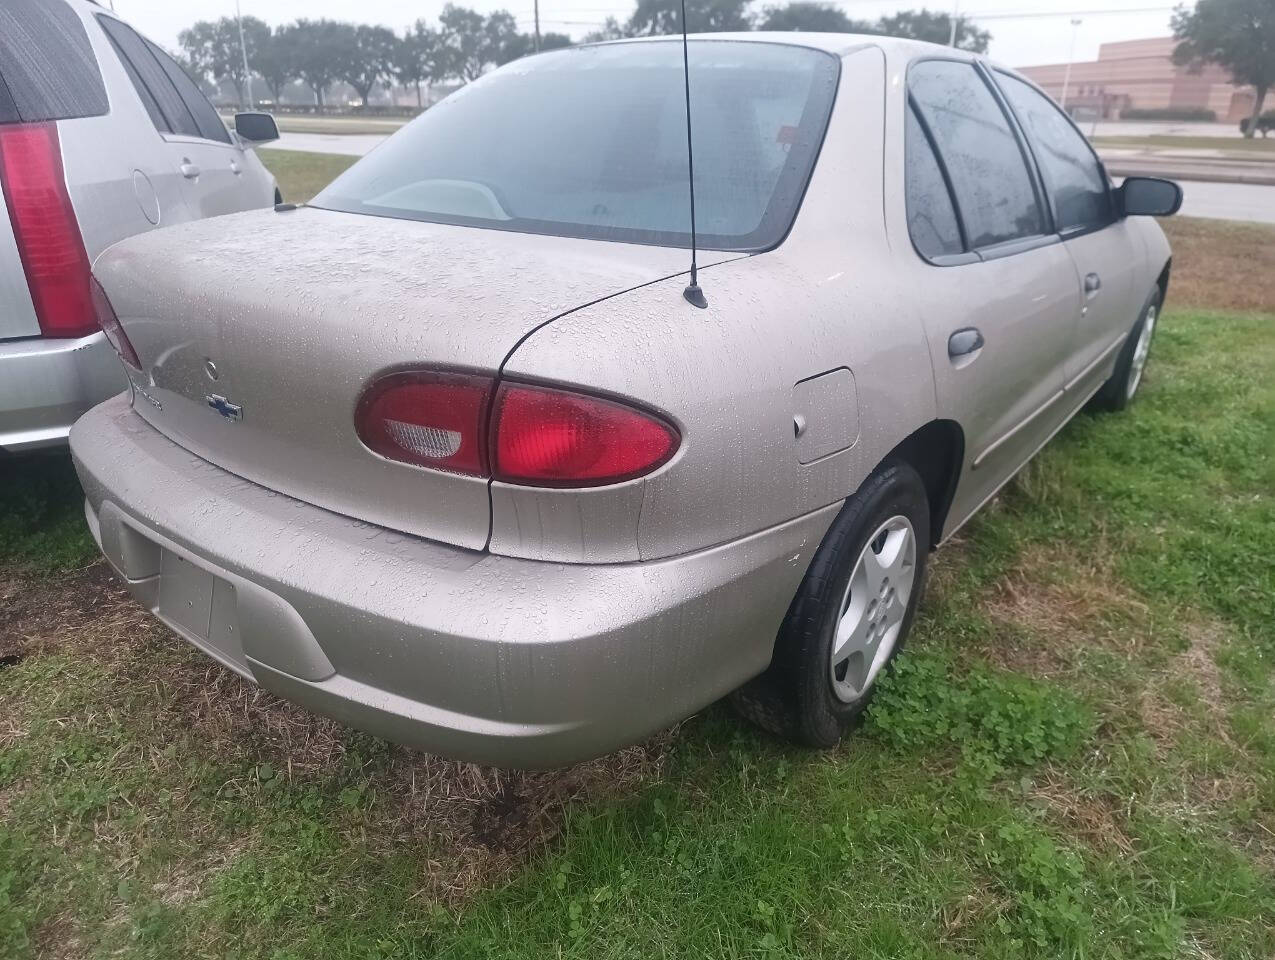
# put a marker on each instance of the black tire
(1115, 395)
(795, 697)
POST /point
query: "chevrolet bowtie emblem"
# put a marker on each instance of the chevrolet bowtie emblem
(231, 411)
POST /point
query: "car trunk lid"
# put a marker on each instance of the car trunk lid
(258, 332)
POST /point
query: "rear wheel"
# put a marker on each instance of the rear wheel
(851, 614)
(1119, 391)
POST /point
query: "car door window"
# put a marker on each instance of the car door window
(983, 156)
(931, 214)
(205, 114)
(1072, 174)
(150, 77)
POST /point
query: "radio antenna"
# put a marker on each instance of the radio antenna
(693, 294)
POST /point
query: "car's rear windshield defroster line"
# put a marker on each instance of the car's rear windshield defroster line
(591, 142)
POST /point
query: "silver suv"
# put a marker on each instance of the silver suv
(102, 136)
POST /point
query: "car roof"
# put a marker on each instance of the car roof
(836, 43)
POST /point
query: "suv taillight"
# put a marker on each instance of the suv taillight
(519, 433)
(45, 229)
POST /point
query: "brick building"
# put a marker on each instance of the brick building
(1141, 74)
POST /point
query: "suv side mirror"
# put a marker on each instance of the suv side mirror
(1149, 197)
(255, 129)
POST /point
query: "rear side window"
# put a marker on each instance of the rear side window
(203, 112)
(989, 172)
(171, 98)
(1072, 175)
(931, 217)
(47, 67)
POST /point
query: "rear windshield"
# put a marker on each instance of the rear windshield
(47, 67)
(591, 142)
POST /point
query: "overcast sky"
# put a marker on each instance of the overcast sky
(1024, 32)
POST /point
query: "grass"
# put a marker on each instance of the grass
(1076, 758)
(1170, 142)
(301, 175)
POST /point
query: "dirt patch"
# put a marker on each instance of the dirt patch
(1165, 719)
(1221, 265)
(1053, 605)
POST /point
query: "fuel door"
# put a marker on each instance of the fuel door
(825, 414)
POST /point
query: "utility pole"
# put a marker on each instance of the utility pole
(537, 26)
(956, 10)
(1071, 55)
(243, 48)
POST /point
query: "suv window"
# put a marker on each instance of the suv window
(47, 67)
(150, 77)
(931, 214)
(983, 157)
(1071, 171)
(204, 113)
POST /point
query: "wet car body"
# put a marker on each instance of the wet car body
(535, 623)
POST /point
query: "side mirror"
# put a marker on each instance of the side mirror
(255, 129)
(1149, 197)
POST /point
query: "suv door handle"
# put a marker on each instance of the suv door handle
(964, 342)
(189, 170)
(235, 168)
(1093, 283)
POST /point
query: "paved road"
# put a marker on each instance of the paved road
(1229, 201)
(348, 144)
(1219, 201)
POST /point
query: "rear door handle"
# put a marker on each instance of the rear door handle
(1093, 283)
(964, 342)
(189, 170)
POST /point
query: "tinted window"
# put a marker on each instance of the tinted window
(205, 114)
(989, 172)
(591, 142)
(1072, 175)
(931, 216)
(133, 49)
(143, 91)
(47, 67)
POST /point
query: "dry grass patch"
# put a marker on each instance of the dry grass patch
(1092, 817)
(1055, 604)
(1221, 265)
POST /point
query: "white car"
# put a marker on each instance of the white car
(102, 136)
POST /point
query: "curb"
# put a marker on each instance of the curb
(1134, 169)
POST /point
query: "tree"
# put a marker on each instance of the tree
(807, 15)
(370, 60)
(501, 40)
(212, 48)
(659, 17)
(612, 29)
(322, 48)
(464, 42)
(1238, 35)
(275, 61)
(554, 41)
(934, 28)
(417, 60)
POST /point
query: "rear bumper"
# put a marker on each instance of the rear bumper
(510, 662)
(45, 385)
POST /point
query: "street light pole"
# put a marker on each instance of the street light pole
(1071, 55)
(243, 48)
(537, 26)
(956, 9)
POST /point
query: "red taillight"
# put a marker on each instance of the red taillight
(432, 419)
(555, 438)
(45, 228)
(531, 435)
(110, 325)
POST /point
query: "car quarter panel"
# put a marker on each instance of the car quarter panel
(828, 299)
